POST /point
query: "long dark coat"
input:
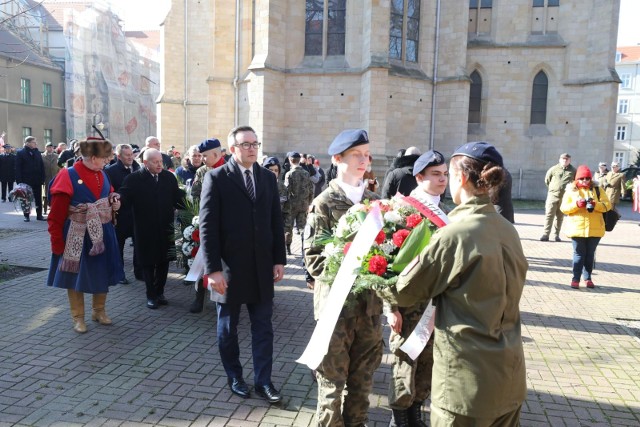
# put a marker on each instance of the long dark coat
(7, 167)
(29, 167)
(117, 173)
(153, 213)
(242, 238)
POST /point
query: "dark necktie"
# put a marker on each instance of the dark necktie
(249, 183)
(155, 177)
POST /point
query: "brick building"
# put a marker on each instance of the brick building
(534, 77)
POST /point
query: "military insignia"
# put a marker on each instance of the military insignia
(80, 182)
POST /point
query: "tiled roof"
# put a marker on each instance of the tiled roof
(629, 53)
(148, 38)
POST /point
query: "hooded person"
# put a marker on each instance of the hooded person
(583, 203)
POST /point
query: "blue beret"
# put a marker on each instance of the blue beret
(347, 139)
(294, 154)
(271, 161)
(430, 158)
(208, 144)
(480, 150)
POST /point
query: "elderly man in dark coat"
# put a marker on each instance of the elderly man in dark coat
(30, 170)
(242, 236)
(153, 193)
(117, 172)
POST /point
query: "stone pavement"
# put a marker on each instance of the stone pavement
(161, 367)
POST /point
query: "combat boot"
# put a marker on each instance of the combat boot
(399, 418)
(198, 304)
(99, 314)
(415, 415)
(76, 304)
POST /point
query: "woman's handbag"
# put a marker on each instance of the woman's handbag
(611, 216)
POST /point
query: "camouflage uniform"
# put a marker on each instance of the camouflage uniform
(355, 349)
(196, 185)
(300, 195)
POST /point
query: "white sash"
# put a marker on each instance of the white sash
(418, 339)
(319, 342)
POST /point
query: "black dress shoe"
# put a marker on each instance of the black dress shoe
(26, 219)
(152, 304)
(239, 387)
(162, 300)
(269, 392)
(41, 218)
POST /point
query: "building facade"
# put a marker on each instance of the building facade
(627, 131)
(534, 77)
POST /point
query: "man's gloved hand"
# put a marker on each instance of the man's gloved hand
(581, 203)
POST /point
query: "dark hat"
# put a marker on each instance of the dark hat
(7, 146)
(271, 161)
(480, 150)
(208, 144)
(430, 158)
(49, 144)
(293, 155)
(346, 139)
(565, 156)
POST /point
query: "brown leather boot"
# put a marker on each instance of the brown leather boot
(98, 314)
(76, 303)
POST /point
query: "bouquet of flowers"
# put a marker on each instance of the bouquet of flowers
(22, 197)
(405, 233)
(191, 240)
(187, 234)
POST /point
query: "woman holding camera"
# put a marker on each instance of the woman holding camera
(584, 202)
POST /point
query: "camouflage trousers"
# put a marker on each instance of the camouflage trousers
(300, 218)
(443, 418)
(410, 379)
(345, 375)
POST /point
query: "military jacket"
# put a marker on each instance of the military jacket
(475, 270)
(196, 185)
(615, 186)
(557, 178)
(300, 189)
(326, 210)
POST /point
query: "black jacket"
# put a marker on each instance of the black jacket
(7, 167)
(241, 237)
(401, 179)
(117, 174)
(29, 167)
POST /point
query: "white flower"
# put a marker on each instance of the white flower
(188, 231)
(387, 247)
(393, 216)
(187, 247)
(343, 229)
(195, 221)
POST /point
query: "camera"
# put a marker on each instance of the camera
(590, 205)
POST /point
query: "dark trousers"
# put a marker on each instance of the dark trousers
(584, 251)
(7, 186)
(37, 196)
(261, 340)
(155, 277)
(123, 233)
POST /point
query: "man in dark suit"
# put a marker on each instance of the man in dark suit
(242, 235)
(153, 194)
(30, 170)
(117, 172)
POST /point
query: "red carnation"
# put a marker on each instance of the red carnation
(195, 236)
(377, 265)
(399, 237)
(413, 220)
(194, 251)
(346, 248)
(380, 237)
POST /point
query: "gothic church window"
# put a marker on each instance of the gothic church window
(325, 27)
(404, 30)
(480, 16)
(475, 97)
(539, 99)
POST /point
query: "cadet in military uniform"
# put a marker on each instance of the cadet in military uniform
(411, 379)
(355, 349)
(273, 164)
(556, 180)
(615, 185)
(212, 152)
(476, 269)
(300, 194)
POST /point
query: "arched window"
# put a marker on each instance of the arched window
(475, 97)
(539, 99)
(325, 27)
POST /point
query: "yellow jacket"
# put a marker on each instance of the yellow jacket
(580, 222)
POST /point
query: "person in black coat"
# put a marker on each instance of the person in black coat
(30, 171)
(503, 202)
(401, 179)
(7, 170)
(117, 173)
(153, 194)
(242, 235)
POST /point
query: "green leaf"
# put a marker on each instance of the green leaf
(415, 242)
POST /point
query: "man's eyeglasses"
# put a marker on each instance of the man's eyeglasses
(584, 179)
(247, 145)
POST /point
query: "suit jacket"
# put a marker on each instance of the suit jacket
(117, 172)
(153, 207)
(242, 238)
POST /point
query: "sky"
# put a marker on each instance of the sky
(148, 14)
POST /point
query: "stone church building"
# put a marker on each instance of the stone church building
(536, 78)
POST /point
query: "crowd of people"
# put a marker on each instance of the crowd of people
(250, 208)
